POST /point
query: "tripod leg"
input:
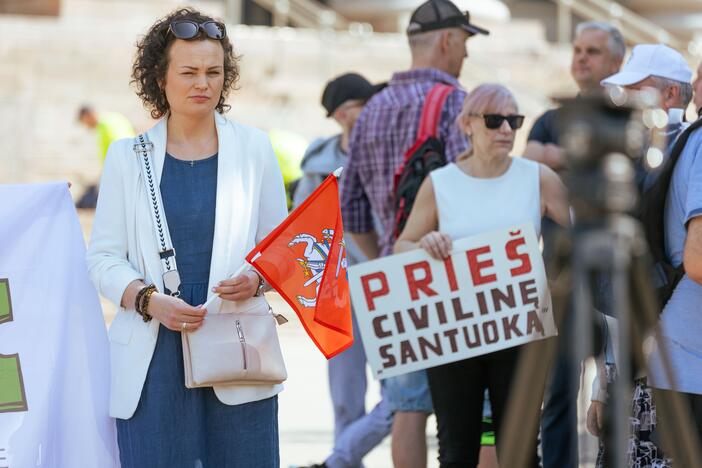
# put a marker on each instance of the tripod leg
(521, 422)
(522, 416)
(617, 427)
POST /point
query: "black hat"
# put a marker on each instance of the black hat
(440, 14)
(346, 87)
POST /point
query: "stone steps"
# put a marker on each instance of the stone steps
(53, 65)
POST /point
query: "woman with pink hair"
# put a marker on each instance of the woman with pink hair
(484, 190)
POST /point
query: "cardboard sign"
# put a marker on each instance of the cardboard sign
(415, 312)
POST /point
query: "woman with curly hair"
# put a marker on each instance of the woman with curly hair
(222, 192)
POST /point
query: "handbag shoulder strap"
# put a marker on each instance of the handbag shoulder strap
(143, 149)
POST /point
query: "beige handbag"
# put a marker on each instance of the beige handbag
(229, 348)
(234, 348)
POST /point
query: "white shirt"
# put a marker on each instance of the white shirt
(470, 205)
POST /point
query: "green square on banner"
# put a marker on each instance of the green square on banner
(5, 303)
(12, 397)
(11, 389)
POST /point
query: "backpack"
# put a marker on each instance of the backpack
(425, 155)
(666, 275)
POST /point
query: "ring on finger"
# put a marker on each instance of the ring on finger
(184, 326)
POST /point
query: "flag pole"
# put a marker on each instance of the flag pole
(245, 266)
(338, 171)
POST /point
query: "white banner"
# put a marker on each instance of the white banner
(415, 312)
(54, 361)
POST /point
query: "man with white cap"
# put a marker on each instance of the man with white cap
(666, 70)
(680, 325)
(662, 68)
(650, 65)
(679, 180)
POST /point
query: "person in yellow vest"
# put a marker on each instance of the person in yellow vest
(289, 148)
(109, 126)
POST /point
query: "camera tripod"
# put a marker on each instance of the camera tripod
(617, 248)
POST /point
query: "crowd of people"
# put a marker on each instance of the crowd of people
(209, 167)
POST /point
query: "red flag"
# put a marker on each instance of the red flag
(304, 259)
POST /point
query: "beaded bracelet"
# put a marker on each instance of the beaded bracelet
(145, 303)
(141, 303)
(137, 299)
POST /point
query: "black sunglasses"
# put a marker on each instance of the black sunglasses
(187, 29)
(494, 121)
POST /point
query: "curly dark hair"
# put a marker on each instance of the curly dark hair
(151, 63)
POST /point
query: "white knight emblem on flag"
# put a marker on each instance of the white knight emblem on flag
(315, 261)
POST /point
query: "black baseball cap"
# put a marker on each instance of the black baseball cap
(347, 87)
(440, 14)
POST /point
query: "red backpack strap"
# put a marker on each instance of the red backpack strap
(431, 111)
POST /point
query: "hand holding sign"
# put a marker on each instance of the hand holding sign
(416, 312)
(437, 244)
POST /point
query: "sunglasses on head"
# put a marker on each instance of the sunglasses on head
(188, 29)
(494, 121)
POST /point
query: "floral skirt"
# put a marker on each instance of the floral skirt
(642, 452)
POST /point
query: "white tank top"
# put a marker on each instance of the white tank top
(469, 205)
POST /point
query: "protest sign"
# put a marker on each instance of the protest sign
(415, 312)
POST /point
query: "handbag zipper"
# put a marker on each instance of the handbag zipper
(242, 340)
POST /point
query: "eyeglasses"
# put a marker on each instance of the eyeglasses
(187, 29)
(494, 121)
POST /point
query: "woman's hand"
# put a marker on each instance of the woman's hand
(437, 244)
(595, 418)
(239, 288)
(175, 314)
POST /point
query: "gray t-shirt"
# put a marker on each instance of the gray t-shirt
(682, 316)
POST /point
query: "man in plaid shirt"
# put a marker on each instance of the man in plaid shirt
(386, 128)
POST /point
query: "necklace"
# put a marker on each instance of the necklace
(192, 161)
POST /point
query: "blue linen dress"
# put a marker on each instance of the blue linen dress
(177, 427)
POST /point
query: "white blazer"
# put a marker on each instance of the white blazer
(250, 204)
